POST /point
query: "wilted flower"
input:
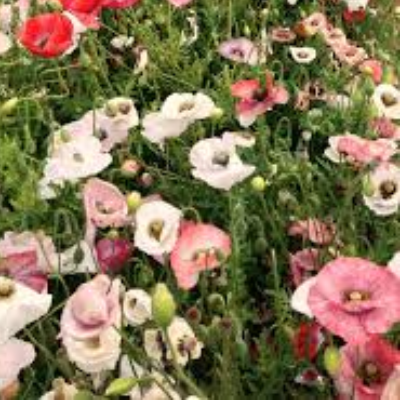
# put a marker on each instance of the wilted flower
(200, 247)
(382, 194)
(314, 230)
(216, 162)
(157, 225)
(303, 263)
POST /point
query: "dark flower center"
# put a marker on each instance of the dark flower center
(259, 94)
(221, 158)
(186, 106)
(93, 343)
(388, 99)
(237, 52)
(356, 296)
(187, 345)
(124, 108)
(7, 287)
(370, 373)
(387, 189)
(155, 229)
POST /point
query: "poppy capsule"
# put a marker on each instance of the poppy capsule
(47, 35)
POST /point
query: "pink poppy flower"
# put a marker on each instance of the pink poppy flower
(105, 206)
(120, 3)
(23, 267)
(15, 355)
(317, 21)
(349, 54)
(200, 247)
(241, 50)
(92, 309)
(365, 368)
(352, 298)
(334, 37)
(180, 3)
(314, 230)
(373, 68)
(358, 150)
(256, 98)
(386, 128)
(303, 263)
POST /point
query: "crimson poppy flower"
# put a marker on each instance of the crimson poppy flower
(47, 35)
(354, 16)
(307, 340)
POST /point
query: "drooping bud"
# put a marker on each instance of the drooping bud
(332, 360)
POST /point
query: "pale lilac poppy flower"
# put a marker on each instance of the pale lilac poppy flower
(105, 206)
(352, 298)
(255, 98)
(200, 247)
(382, 192)
(241, 50)
(365, 369)
(83, 319)
(15, 355)
(216, 162)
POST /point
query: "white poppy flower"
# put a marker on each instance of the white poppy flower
(61, 390)
(188, 106)
(15, 355)
(386, 99)
(185, 343)
(299, 300)
(383, 190)
(216, 162)
(303, 55)
(19, 306)
(78, 259)
(96, 354)
(122, 42)
(137, 307)
(158, 128)
(157, 226)
(76, 159)
(394, 264)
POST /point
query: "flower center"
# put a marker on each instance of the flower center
(156, 228)
(387, 189)
(7, 287)
(370, 373)
(186, 106)
(259, 94)
(357, 296)
(221, 158)
(302, 54)
(124, 108)
(103, 208)
(187, 345)
(237, 52)
(78, 157)
(93, 343)
(388, 99)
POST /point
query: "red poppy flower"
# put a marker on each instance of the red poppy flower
(119, 3)
(307, 340)
(47, 35)
(354, 16)
(87, 11)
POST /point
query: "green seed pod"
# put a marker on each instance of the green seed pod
(163, 305)
(332, 360)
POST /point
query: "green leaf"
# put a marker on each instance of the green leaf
(84, 395)
(121, 386)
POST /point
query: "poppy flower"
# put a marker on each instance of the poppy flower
(257, 98)
(314, 230)
(113, 254)
(87, 11)
(307, 341)
(47, 35)
(119, 3)
(366, 368)
(354, 16)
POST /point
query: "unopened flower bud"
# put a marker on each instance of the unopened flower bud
(146, 179)
(134, 200)
(163, 305)
(258, 183)
(8, 106)
(216, 303)
(332, 360)
(130, 168)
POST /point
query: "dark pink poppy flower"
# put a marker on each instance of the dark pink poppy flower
(352, 298)
(314, 230)
(23, 267)
(256, 98)
(303, 263)
(47, 35)
(113, 254)
(200, 247)
(365, 369)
